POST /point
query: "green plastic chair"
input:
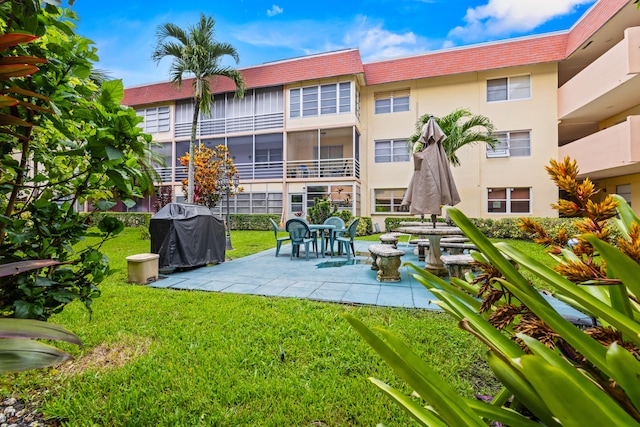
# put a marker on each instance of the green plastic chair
(279, 240)
(348, 237)
(331, 235)
(300, 234)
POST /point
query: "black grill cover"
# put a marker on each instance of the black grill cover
(187, 235)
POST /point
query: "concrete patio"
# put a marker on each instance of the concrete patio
(322, 279)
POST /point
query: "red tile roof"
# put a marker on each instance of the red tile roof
(332, 64)
(488, 56)
(597, 16)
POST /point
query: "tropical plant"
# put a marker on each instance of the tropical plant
(65, 142)
(553, 372)
(211, 166)
(18, 350)
(196, 52)
(461, 128)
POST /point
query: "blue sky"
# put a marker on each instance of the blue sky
(263, 31)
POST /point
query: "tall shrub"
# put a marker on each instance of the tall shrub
(65, 140)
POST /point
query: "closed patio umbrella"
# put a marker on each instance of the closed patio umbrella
(431, 185)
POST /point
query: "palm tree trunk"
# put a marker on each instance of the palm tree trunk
(192, 143)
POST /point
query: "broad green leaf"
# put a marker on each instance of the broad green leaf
(422, 415)
(19, 354)
(623, 267)
(113, 153)
(112, 92)
(573, 399)
(494, 337)
(504, 415)
(599, 309)
(490, 252)
(29, 328)
(429, 385)
(509, 374)
(105, 205)
(627, 215)
(431, 281)
(627, 369)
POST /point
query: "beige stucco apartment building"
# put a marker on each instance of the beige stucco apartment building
(329, 125)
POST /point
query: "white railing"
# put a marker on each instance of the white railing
(324, 168)
(232, 125)
(260, 170)
(164, 174)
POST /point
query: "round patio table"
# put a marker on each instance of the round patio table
(433, 262)
(322, 227)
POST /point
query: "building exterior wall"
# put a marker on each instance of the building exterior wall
(597, 102)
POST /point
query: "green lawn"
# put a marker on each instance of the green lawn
(159, 357)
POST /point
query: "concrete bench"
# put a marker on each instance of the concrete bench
(143, 268)
(389, 239)
(458, 265)
(457, 248)
(386, 260)
(456, 239)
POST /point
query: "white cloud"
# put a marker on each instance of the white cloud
(506, 17)
(376, 43)
(275, 10)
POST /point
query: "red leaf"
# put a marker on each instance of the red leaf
(9, 71)
(8, 40)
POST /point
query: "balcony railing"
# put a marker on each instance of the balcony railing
(260, 170)
(164, 173)
(223, 126)
(324, 168)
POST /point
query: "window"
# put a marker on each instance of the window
(624, 191)
(391, 150)
(320, 100)
(388, 200)
(509, 88)
(511, 144)
(156, 119)
(509, 200)
(345, 97)
(392, 102)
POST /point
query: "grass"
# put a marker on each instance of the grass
(185, 358)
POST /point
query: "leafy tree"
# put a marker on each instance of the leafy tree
(462, 128)
(196, 52)
(65, 141)
(210, 166)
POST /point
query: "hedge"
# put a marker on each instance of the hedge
(507, 228)
(238, 221)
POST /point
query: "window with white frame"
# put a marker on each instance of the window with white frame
(388, 200)
(391, 151)
(320, 100)
(624, 191)
(156, 119)
(509, 88)
(392, 102)
(511, 144)
(509, 200)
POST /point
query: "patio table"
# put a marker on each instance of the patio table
(323, 227)
(433, 262)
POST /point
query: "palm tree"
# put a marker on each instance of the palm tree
(462, 128)
(195, 52)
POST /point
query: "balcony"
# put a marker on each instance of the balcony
(611, 152)
(208, 127)
(323, 168)
(606, 87)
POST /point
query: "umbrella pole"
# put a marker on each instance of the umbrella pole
(422, 218)
(433, 219)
